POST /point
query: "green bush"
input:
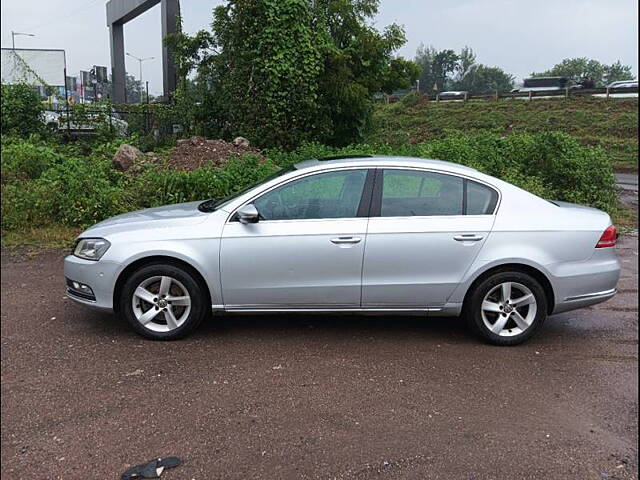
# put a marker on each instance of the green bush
(159, 187)
(21, 110)
(66, 189)
(23, 205)
(22, 159)
(82, 192)
(552, 165)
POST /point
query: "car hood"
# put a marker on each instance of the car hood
(178, 215)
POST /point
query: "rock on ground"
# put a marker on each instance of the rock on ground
(126, 157)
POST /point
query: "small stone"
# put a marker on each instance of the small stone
(240, 142)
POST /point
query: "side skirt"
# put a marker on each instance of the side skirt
(447, 310)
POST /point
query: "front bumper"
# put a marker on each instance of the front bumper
(101, 276)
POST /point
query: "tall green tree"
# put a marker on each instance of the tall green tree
(483, 79)
(617, 71)
(583, 68)
(467, 59)
(424, 59)
(282, 71)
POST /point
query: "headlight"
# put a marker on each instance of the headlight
(91, 248)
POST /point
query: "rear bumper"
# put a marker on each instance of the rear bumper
(582, 284)
(584, 300)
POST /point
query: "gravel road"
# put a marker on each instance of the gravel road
(325, 397)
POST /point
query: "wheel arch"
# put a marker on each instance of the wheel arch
(536, 273)
(161, 260)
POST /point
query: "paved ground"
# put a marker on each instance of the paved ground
(314, 397)
(628, 186)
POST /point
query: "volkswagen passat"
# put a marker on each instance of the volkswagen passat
(365, 234)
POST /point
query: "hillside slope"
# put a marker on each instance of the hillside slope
(611, 124)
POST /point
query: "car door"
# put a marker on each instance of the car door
(307, 248)
(425, 230)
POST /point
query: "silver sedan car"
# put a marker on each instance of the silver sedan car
(387, 235)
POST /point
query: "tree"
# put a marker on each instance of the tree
(616, 72)
(467, 59)
(583, 68)
(444, 63)
(437, 67)
(424, 59)
(132, 89)
(358, 62)
(283, 71)
(483, 79)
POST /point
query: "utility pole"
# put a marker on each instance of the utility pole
(140, 60)
(13, 37)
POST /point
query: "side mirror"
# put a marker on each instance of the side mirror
(248, 214)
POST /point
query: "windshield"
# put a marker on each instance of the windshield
(216, 203)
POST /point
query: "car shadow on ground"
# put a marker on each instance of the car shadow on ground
(339, 326)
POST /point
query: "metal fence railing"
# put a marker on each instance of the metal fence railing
(117, 120)
(605, 92)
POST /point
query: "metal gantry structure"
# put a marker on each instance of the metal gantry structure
(120, 12)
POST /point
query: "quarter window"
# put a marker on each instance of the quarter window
(325, 195)
(407, 193)
(481, 200)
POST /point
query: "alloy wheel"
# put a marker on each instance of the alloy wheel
(161, 303)
(509, 309)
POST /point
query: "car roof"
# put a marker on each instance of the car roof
(383, 161)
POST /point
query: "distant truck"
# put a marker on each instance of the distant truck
(541, 84)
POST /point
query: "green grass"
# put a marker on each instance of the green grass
(40, 237)
(611, 124)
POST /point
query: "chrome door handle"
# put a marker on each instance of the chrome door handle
(343, 240)
(468, 238)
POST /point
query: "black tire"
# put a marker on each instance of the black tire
(196, 292)
(473, 307)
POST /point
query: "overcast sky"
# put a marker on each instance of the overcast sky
(519, 36)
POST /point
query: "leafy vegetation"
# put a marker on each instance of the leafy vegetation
(583, 69)
(21, 110)
(610, 124)
(305, 71)
(447, 70)
(77, 192)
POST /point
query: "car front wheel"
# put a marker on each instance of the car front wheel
(507, 308)
(163, 302)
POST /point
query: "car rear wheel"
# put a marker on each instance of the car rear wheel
(163, 302)
(507, 308)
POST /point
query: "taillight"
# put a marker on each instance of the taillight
(608, 238)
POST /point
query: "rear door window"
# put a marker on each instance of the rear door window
(411, 193)
(408, 193)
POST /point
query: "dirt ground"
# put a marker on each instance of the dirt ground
(287, 397)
